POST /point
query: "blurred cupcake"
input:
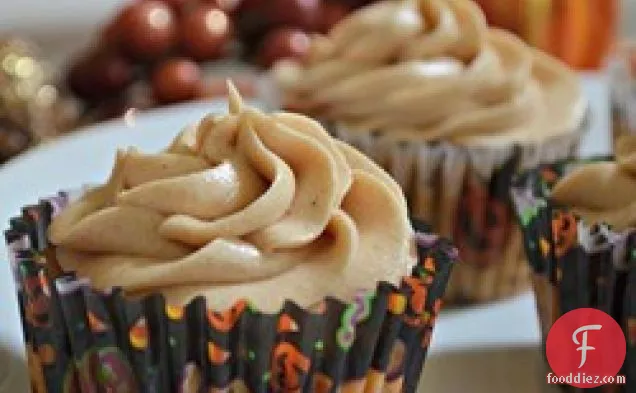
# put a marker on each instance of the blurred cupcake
(255, 253)
(622, 71)
(451, 109)
(578, 220)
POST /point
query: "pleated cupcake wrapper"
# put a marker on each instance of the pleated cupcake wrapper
(576, 264)
(464, 193)
(622, 95)
(83, 340)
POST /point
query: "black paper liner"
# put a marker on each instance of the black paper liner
(577, 264)
(87, 341)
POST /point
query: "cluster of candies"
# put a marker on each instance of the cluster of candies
(156, 51)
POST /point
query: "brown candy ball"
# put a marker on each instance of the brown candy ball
(100, 75)
(147, 29)
(176, 80)
(251, 26)
(205, 32)
(283, 43)
(178, 5)
(229, 6)
(356, 3)
(13, 140)
(331, 13)
(304, 14)
(250, 5)
(109, 36)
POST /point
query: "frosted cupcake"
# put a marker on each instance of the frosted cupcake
(255, 253)
(622, 73)
(451, 108)
(578, 220)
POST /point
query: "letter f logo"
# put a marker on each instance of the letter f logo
(583, 344)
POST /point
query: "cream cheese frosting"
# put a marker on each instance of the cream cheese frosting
(266, 207)
(431, 70)
(603, 192)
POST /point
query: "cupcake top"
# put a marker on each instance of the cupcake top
(265, 207)
(603, 192)
(430, 70)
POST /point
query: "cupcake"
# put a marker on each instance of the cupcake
(255, 253)
(451, 108)
(622, 74)
(578, 220)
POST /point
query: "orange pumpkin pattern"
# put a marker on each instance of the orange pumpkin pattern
(418, 298)
(397, 303)
(287, 324)
(37, 301)
(216, 354)
(95, 324)
(564, 232)
(138, 334)
(174, 313)
(225, 321)
(288, 367)
(482, 223)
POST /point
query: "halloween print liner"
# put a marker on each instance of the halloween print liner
(464, 192)
(83, 340)
(576, 264)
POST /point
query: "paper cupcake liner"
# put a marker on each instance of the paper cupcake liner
(622, 83)
(464, 193)
(576, 264)
(83, 340)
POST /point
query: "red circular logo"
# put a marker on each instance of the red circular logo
(585, 348)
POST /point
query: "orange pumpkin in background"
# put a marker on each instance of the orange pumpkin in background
(580, 32)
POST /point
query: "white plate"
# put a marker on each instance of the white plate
(495, 348)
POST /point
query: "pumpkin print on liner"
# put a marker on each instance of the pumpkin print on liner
(285, 351)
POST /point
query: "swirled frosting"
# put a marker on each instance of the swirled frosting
(432, 70)
(266, 207)
(603, 192)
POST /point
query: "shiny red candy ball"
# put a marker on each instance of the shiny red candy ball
(176, 80)
(283, 43)
(178, 5)
(304, 14)
(251, 5)
(205, 32)
(229, 6)
(100, 75)
(331, 13)
(355, 3)
(147, 29)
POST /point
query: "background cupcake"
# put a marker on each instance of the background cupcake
(224, 262)
(622, 71)
(578, 221)
(451, 109)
